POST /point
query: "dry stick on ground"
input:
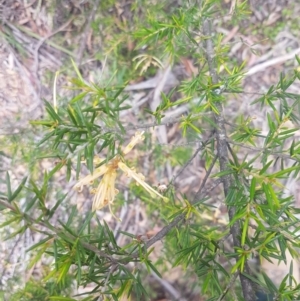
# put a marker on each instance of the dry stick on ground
(272, 62)
(86, 30)
(247, 284)
(169, 288)
(42, 41)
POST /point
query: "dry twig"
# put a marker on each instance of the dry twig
(85, 33)
(272, 62)
(41, 42)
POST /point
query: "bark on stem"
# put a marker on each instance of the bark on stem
(236, 230)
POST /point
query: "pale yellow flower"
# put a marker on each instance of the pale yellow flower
(89, 180)
(105, 192)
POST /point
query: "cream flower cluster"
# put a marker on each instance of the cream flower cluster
(105, 192)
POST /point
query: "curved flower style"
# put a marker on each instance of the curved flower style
(139, 178)
(138, 136)
(105, 192)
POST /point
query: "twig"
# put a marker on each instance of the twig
(229, 285)
(24, 29)
(164, 231)
(151, 83)
(129, 127)
(186, 164)
(29, 219)
(198, 193)
(275, 61)
(165, 121)
(161, 234)
(42, 41)
(85, 33)
(235, 229)
(112, 269)
(169, 288)
(264, 150)
(10, 255)
(176, 222)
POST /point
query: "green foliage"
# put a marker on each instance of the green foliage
(35, 291)
(262, 220)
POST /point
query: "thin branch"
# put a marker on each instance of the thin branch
(235, 229)
(87, 246)
(198, 193)
(264, 150)
(160, 235)
(56, 231)
(165, 121)
(165, 230)
(128, 127)
(229, 286)
(180, 218)
(9, 256)
(188, 162)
